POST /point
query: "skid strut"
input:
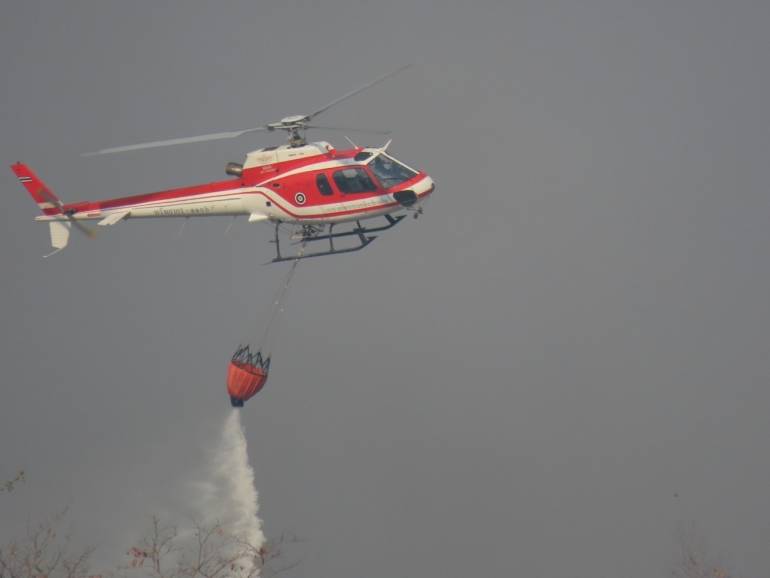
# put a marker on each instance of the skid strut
(308, 236)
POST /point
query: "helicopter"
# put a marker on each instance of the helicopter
(319, 192)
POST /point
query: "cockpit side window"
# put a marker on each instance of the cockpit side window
(354, 180)
(323, 184)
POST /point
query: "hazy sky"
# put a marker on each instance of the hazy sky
(516, 384)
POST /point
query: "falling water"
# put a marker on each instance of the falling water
(227, 495)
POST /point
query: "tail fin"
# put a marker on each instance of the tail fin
(40, 193)
(49, 204)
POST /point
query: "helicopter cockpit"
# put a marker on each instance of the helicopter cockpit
(388, 170)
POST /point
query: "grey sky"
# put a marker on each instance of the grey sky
(517, 383)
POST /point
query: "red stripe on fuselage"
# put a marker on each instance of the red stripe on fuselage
(250, 178)
(151, 197)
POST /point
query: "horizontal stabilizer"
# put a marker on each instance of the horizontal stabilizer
(113, 218)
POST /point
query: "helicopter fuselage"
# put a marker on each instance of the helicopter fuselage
(311, 184)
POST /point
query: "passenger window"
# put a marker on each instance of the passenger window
(323, 184)
(354, 180)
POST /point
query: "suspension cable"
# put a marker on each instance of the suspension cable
(280, 298)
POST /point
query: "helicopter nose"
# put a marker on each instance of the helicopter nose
(416, 193)
(425, 188)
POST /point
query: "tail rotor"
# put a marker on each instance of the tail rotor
(62, 220)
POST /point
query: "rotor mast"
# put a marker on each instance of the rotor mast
(295, 127)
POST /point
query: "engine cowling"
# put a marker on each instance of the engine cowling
(234, 169)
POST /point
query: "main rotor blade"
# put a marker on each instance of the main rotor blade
(350, 129)
(356, 91)
(176, 141)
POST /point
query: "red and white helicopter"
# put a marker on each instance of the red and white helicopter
(310, 187)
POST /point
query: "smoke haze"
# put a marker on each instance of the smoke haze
(569, 351)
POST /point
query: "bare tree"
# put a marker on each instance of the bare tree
(274, 555)
(45, 551)
(9, 485)
(695, 561)
(204, 551)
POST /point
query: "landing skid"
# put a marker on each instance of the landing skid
(310, 235)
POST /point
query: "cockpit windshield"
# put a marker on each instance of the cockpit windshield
(389, 171)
